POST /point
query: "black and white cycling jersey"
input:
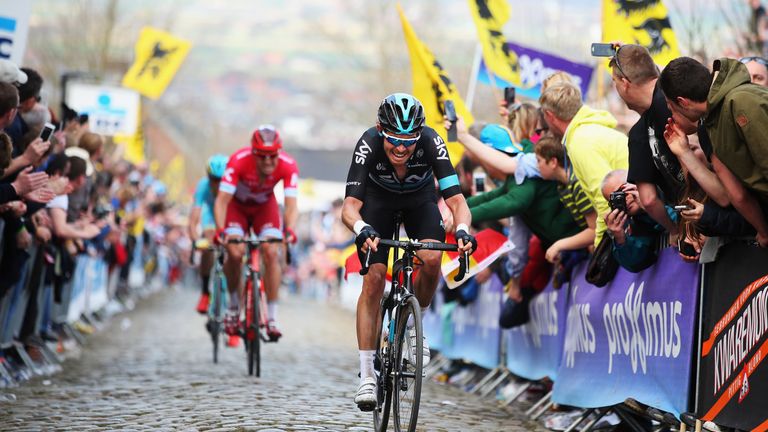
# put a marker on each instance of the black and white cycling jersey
(430, 160)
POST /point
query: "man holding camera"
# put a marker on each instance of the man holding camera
(634, 234)
(651, 163)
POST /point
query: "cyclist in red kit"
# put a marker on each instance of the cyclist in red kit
(246, 202)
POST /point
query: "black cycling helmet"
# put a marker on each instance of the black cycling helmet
(402, 114)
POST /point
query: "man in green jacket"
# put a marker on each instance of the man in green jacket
(735, 113)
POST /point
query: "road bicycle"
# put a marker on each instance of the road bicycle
(253, 328)
(399, 377)
(217, 288)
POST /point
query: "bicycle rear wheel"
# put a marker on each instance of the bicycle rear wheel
(383, 382)
(408, 364)
(252, 328)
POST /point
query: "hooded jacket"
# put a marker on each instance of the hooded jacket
(594, 149)
(737, 123)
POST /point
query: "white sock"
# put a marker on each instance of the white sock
(366, 364)
(234, 301)
(272, 310)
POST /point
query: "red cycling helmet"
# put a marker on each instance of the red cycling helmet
(266, 140)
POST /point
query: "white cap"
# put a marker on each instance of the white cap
(11, 73)
(82, 154)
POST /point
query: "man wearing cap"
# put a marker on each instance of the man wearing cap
(29, 95)
(26, 84)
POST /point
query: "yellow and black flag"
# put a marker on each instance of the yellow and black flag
(642, 22)
(490, 17)
(432, 87)
(158, 56)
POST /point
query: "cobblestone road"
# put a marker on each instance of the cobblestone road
(157, 374)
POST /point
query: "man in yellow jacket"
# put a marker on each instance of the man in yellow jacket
(593, 147)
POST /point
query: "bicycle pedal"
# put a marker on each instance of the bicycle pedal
(366, 407)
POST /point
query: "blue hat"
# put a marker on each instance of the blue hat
(500, 138)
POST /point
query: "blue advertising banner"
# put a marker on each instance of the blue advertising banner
(632, 338)
(432, 322)
(473, 331)
(535, 67)
(534, 349)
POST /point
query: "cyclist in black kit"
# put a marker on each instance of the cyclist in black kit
(394, 168)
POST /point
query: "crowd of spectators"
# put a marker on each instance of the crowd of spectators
(63, 197)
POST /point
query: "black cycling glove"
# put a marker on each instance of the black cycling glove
(366, 233)
(467, 238)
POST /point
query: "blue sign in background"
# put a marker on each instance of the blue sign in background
(534, 349)
(469, 332)
(535, 66)
(632, 338)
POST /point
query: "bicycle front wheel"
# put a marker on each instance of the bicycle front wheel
(383, 364)
(409, 364)
(252, 320)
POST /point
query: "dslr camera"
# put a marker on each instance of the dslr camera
(618, 200)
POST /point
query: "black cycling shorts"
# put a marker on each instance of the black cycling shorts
(421, 217)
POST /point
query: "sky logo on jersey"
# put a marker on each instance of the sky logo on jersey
(362, 152)
(7, 28)
(442, 151)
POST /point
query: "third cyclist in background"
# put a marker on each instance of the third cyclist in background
(202, 216)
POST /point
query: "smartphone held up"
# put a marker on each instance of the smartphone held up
(47, 131)
(603, 50)
(450, 114)
(509, 96)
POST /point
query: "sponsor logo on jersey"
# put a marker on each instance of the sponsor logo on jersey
(362, 152)
(442, 151)
(380, 166)
(419, 153)
(353, 183)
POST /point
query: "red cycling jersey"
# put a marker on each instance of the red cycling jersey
(242, 178)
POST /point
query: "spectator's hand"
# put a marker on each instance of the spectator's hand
(676, 139)
(41, 218)
(689, 250)
(615, 221)
(27, 181)
(35, 150)
(466, 241)
(695, 214)
(43, 195)
(17, 208)
(553, 252)
(504, 112)
(762, 239)
(59, 185)
(368, 238)
(461, 127)
(90, 231)
(43, 234)
(23, 239)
